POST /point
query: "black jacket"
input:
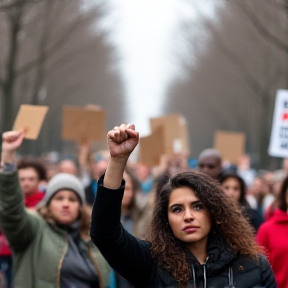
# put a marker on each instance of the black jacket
(131, 257)
(254, 217)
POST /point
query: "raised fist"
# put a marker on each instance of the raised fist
(11, 141)
(122, 140)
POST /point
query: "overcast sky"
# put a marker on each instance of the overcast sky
(146, 34)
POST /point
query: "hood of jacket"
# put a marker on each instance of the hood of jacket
(280, 216)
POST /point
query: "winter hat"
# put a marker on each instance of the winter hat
(63, 181)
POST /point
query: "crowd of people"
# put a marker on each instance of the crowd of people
(101, 220)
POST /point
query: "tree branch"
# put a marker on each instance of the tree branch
(50, 51)
(6, 5)
(252, 82)
(263, 31)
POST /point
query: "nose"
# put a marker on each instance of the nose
(188, 216)
(205, 169)
(65, 203)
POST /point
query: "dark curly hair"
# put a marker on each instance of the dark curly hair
(227, 222)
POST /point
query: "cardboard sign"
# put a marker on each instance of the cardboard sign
(152, 148)
(83, 124)
(231, 145)
(94, 107)
(175, 133)
(278, 146)
(30, 118)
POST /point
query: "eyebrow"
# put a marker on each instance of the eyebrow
(193, 203)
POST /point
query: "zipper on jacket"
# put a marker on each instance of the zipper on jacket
(96, 267)
(61, 262)
(193, 274)
(204, 267)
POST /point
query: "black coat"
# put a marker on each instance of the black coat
(131, 257)
(254, 217)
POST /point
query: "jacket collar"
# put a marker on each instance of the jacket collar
(220, 255)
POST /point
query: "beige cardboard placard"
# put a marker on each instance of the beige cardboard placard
(152, 147)
(231, 145)
(30, 118)
(175, 133)
(184, 136)
(83, 124)
(94, 107)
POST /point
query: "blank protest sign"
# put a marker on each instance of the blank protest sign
(83, 124)
(152, 147)
(30, 118)
(175, 133)
(231, 145)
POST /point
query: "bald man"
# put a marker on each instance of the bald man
(210, 162)
(67, 166)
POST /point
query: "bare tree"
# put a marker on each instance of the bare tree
(53, 54)
(240, 70)
(27, 23)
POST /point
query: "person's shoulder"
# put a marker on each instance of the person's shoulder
(266, 271)
(263, 259)
(32, 212)
(144, 243)
(267, 224)
(251, 262)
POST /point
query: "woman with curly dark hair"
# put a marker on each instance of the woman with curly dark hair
(197, 236)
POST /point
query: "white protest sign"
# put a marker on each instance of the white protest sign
(278, 146)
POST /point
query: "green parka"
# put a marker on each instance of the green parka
(38, 248)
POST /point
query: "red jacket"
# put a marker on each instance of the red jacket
(273, 236)
(30, 202)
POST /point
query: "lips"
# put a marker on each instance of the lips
(65, 212)
(191, 229)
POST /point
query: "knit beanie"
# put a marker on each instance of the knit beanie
(63, 181)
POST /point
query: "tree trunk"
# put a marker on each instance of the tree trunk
(264, 132)
(7, 115)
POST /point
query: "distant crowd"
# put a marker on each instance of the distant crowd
(45, 254)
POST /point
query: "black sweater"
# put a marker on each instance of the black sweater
(131, 257)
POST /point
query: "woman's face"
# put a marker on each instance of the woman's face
(65, 207)
(189, 219)
(232, 189)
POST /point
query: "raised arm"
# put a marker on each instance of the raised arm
(17, 224)
(121, 141)
(126, 254)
